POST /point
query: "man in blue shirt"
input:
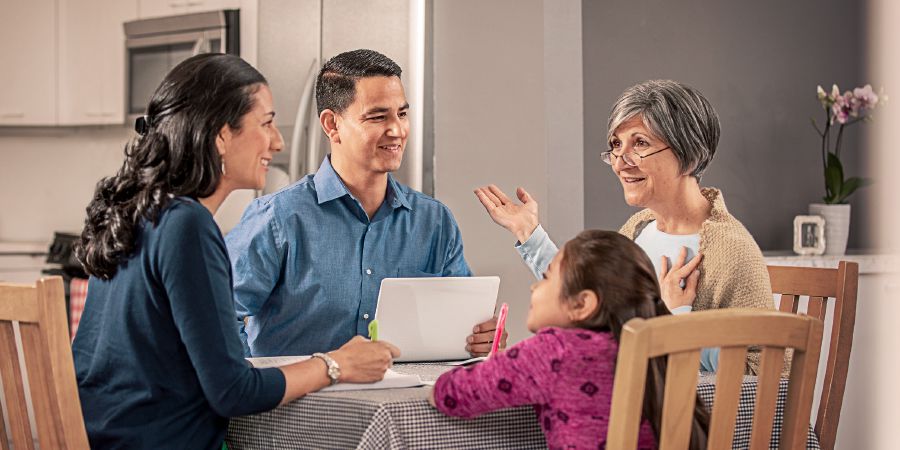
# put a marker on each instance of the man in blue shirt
(308, 260)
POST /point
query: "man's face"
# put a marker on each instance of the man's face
(374, 128)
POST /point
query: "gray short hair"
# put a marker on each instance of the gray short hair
(678, 114)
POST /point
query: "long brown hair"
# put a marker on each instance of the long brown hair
(620, 273)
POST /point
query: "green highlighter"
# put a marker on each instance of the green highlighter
(373, 330)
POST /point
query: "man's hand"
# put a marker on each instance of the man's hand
(670, 280)
(519, 219)
(364, 361)
(479, 342)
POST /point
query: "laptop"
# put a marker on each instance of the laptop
(430, 318)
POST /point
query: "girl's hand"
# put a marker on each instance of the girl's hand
(670, 280)
(519, 219)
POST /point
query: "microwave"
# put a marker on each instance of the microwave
(154, 46)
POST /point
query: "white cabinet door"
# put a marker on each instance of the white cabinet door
(158, 8)
(92, 60)
(28, 52)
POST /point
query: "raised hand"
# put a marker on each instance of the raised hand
(519, 218)
(674, 293)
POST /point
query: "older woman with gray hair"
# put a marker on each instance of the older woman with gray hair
(662, 136)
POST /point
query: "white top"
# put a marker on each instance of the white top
(658, 244)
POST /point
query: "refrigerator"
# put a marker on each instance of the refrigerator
(288, 40)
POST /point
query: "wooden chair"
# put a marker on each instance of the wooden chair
(681, 338)
(819, 285)
(40, 311)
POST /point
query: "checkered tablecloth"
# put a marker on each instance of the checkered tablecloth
(403, 419)
(77, 295)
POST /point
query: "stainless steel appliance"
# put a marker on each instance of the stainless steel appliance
(154, 46)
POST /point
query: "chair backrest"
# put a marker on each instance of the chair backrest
(820, 285)
(681, 338)
(40, 311)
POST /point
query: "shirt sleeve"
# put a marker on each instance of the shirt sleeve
(537, 251)
(456, 265)
(257, 255)
(521, 375)
(193, 268)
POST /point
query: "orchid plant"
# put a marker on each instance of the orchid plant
(842, 110)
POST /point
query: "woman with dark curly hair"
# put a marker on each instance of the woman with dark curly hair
(157, 356)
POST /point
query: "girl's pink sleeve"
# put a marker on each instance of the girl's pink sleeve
(522, 375)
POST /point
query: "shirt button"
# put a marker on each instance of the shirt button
(368, 271)
(366, 316)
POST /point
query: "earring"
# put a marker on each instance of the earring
(223, 167)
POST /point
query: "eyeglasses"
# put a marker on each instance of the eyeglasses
(609, 157)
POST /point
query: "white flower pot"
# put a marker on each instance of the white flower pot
(837, 226)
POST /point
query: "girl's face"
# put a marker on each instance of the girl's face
(548, 308)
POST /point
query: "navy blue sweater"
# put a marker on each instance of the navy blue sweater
(158, 358)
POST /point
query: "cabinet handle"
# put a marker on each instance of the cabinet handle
(12, 115)
(177, 4)
(195, 2)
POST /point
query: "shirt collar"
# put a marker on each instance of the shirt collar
(329, 187)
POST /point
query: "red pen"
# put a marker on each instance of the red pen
(501, 324)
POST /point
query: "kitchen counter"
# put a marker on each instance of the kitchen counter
(22, 262)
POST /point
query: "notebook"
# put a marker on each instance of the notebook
(430, 318)
(392, 379)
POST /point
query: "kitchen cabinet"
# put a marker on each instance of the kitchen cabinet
(157, 8)
(28, 78)
(92, 60)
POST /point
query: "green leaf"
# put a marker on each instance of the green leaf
(834, 179)
(850, 186)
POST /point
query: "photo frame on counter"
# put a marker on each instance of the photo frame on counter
(809, 235)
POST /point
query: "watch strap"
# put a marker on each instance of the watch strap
(333, 369)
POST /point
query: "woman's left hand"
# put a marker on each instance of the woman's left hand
(670, 280)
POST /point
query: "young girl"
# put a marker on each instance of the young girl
(593, 286)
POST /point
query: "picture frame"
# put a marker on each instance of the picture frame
(809, 235)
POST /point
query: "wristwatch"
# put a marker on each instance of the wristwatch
(334, 370)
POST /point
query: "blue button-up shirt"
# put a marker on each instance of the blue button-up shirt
(308, 262)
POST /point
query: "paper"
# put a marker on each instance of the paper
(392, 379)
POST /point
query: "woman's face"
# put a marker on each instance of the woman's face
(548, 308)
(247, 152)
(655, 178)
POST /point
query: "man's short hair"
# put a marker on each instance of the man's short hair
(336, 83)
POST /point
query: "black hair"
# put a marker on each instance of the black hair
(175, 154)
(336, 82)
(621, 275)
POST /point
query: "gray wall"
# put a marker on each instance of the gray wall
(504, 113)
(758, 63)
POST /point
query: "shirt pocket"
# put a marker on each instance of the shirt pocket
(412, 272)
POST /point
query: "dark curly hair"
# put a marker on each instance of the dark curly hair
(175, 155)
(621, 275)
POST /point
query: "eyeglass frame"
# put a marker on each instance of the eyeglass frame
(607, 156)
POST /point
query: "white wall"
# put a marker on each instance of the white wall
(507, 96)
(47, 177)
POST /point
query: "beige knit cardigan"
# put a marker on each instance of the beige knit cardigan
(733, 273)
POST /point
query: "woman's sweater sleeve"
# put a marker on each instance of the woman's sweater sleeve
(521, 375)
(192, 265)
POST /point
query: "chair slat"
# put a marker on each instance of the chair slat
(770, 367)
(789, 303)
(679, 399)
(803, 281)
(13, 389)
(43, 397)
(817, 307)
(20, 304)
(729, 377)
(631, 365)
(800, 391)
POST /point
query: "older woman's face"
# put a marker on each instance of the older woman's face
(655, 177)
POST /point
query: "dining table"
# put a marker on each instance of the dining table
(403, 419)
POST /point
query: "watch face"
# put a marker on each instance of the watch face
(334, 373)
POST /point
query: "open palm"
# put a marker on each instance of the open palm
(519, 218)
